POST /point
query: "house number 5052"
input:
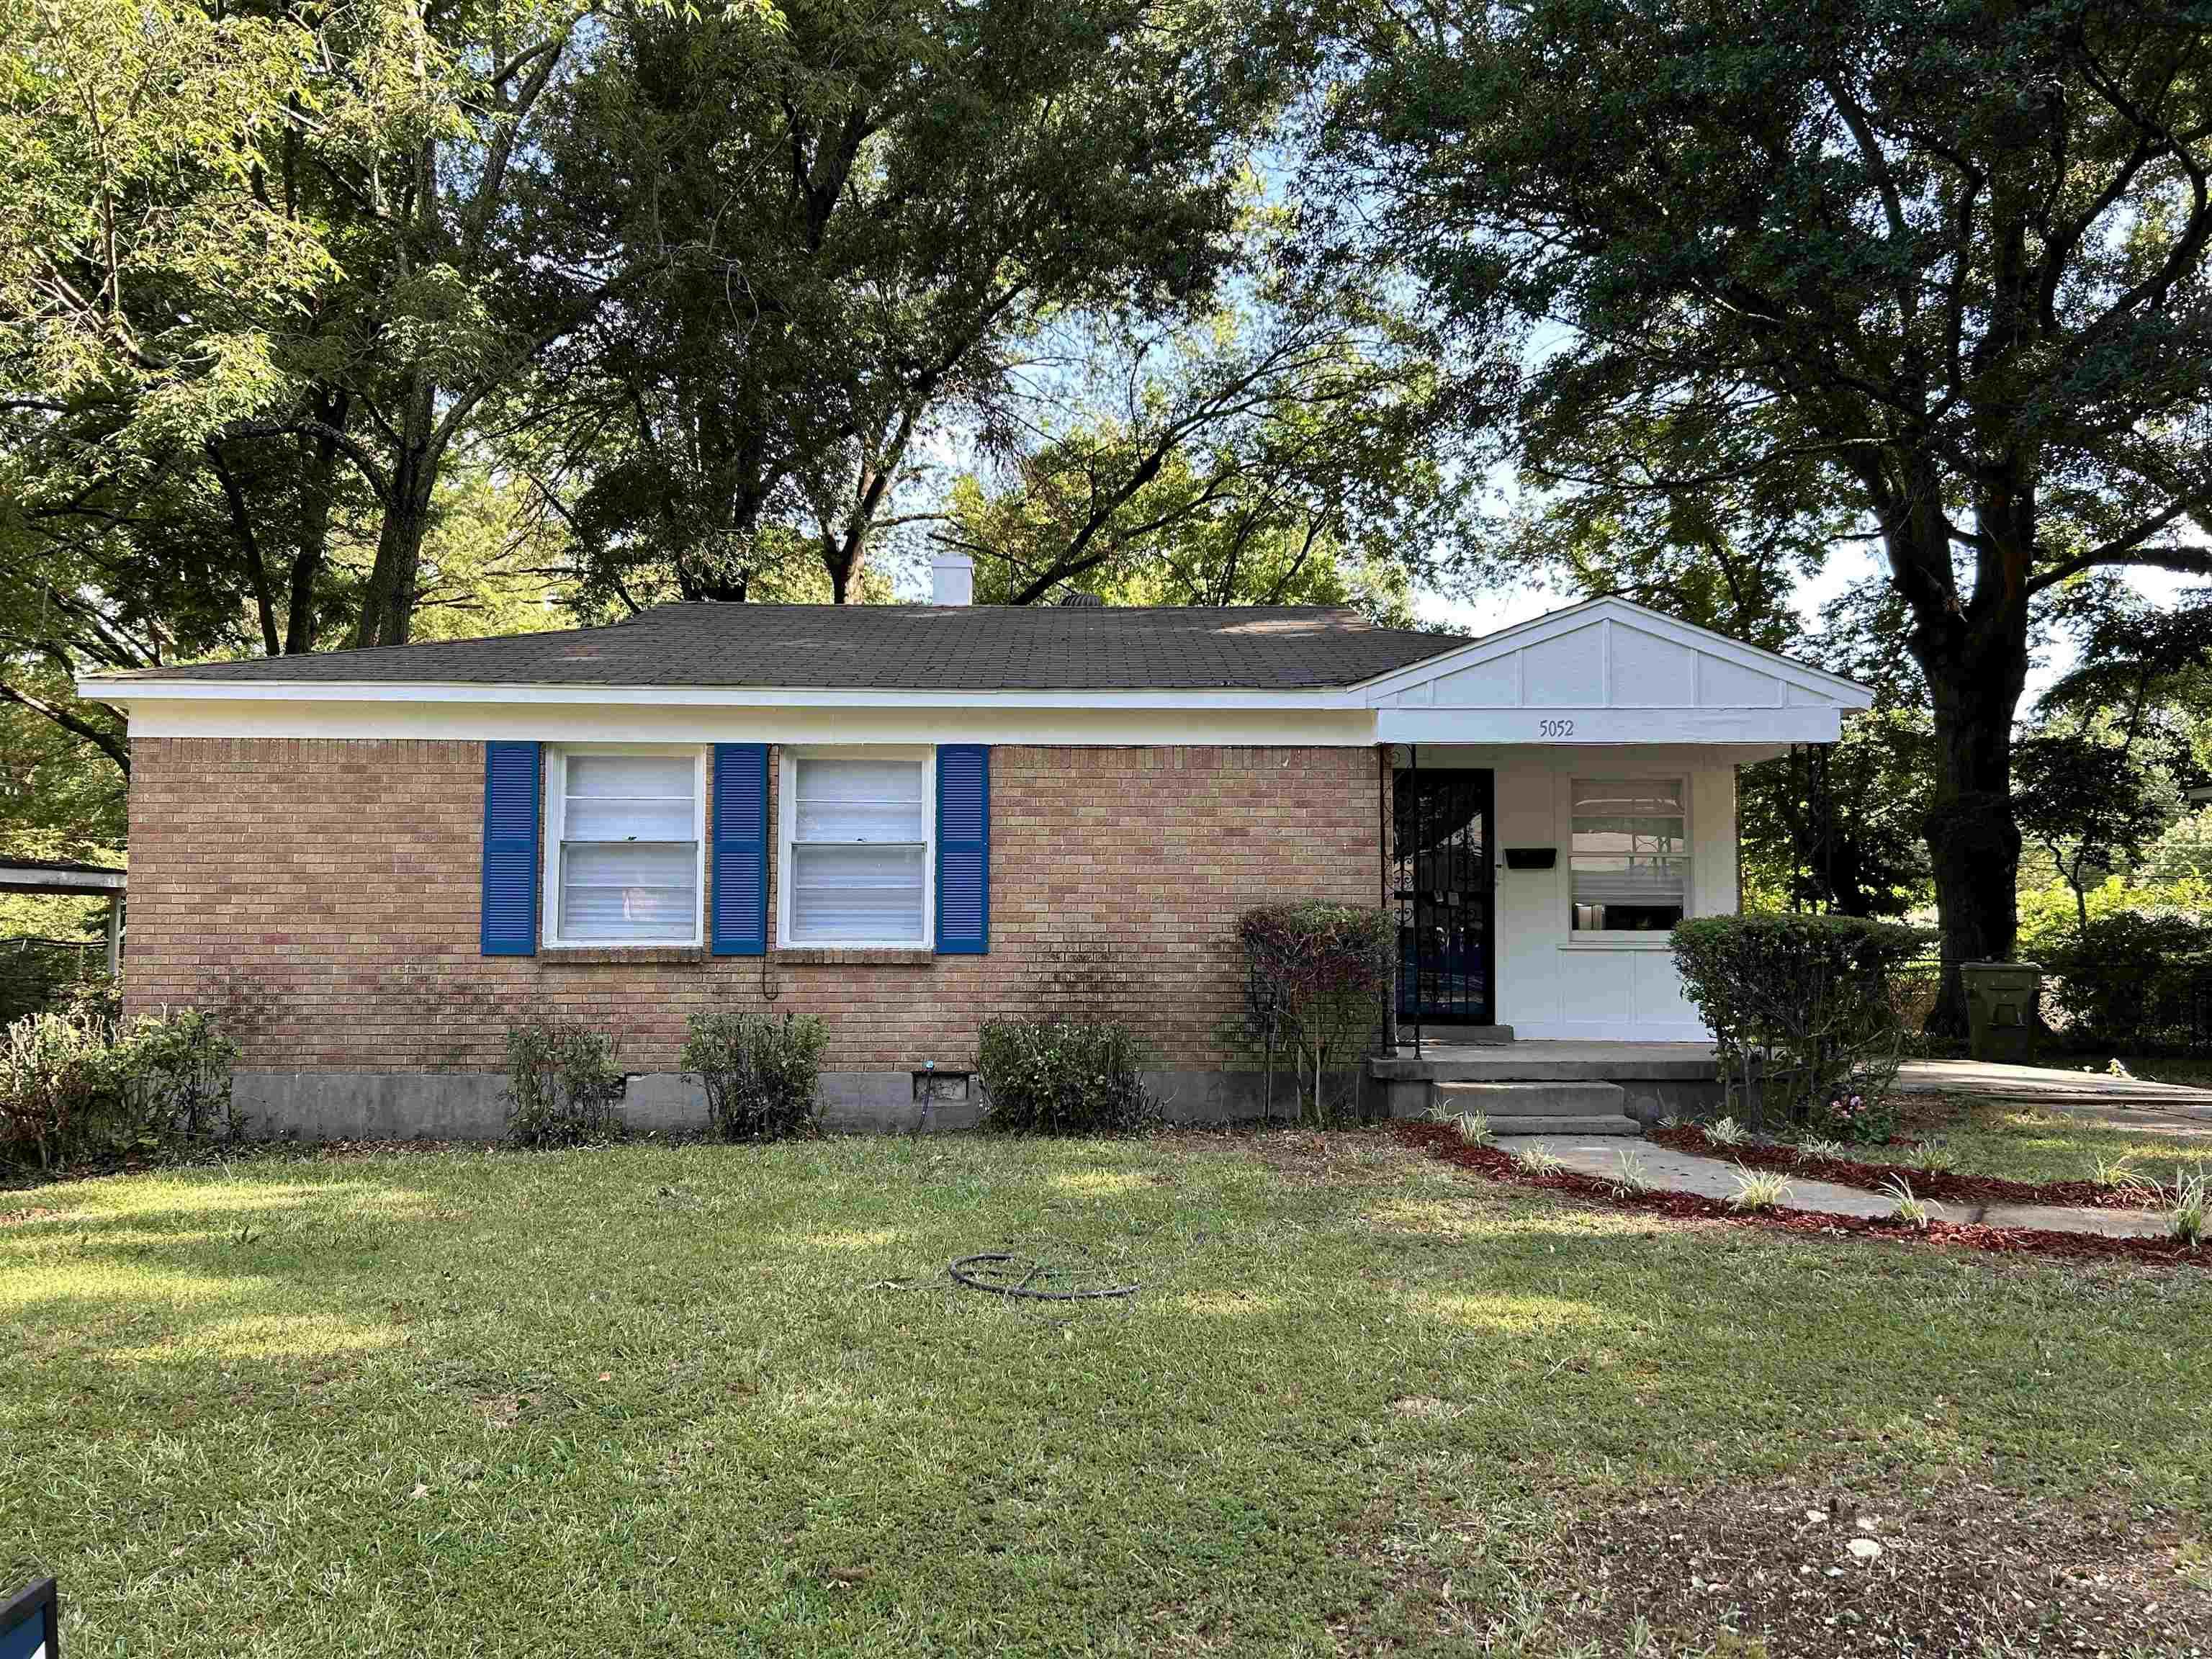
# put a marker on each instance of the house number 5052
(1555, 728)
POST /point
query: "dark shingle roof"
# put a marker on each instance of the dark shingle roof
(893, 648)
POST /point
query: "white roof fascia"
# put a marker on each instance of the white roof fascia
(125, 691)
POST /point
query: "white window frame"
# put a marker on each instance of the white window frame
(556, 806)
(787, 827)
(1645, 937)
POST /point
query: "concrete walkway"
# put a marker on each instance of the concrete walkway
(1711, 1177)
(2123, 1101)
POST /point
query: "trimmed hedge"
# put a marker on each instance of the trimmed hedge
(1801, 1013)
(2135, 980)
(1062, 1077)
(563, 1087)
(759, 1074)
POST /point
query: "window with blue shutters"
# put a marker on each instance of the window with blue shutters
(963, 849)
(857, 833)
(510, 849)
(625, 839)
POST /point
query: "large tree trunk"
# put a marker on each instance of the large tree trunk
(387, 602)
(318, 455)
(1976, 668)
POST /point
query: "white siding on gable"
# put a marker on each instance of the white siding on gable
(1724, 684)
(1485, 684)
(1566, 672)
(1610, 672)
(1649, 672)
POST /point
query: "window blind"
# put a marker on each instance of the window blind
(860, 851)
(1629, 859)
(630, 848)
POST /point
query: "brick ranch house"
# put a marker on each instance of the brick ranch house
(907, 819)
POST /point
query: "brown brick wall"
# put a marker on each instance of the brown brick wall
(322, 895)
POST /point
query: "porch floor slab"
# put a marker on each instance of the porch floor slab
(1535, 1061)
(1670, 1171)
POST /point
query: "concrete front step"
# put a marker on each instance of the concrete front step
(1619, 1124)
(1577, 1107)
(1535, 1097)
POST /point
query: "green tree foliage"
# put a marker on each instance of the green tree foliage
(1287, 449)
(1842, 832)
(2092, 802)
(846, 223)
(1952, 252)
(261, 266)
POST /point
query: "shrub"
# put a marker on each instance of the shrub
(77, 1087)
(1800, 1006)
(759, 1074)
(1474, 1128)
(2133, 979)
(1318, 978)
(561, 1084)
(1062, 1077)
(1853, 1119)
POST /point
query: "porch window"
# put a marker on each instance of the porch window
(623, 844)
(856, 850)
(1628, 864)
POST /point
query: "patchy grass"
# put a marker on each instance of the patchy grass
(2021, 1143)
(723, 1400)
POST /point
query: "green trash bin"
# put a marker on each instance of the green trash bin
(2004, 1009)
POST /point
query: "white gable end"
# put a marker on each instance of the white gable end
(1610, 672)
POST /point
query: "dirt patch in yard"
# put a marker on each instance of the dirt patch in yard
(1960, 1568)
(1316, 1157)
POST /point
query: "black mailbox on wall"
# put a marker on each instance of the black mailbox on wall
(1531, 857)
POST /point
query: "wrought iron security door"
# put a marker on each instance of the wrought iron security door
(1441, 842)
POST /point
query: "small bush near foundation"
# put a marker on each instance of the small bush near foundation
(759, 1074)
(1062, 1078)
(79, 1087)
(1800, 1009)
(1317, 978)
(562, 1084)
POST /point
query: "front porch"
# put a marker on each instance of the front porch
(1556, 1087)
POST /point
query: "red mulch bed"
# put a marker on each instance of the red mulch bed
(1441, 1141)
(1948, 1186)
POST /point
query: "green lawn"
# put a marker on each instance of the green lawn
(2021, 1143)
(724, 1400)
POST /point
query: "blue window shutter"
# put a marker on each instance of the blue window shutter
(510, 849)
(963, 849)
(740, 849)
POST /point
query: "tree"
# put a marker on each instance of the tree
(1287, 449)
(1841, 830)
(851, 220)
(2091, 803)
(1954, 252)
(2102, 780)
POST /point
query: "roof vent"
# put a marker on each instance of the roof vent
(1077, 596)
